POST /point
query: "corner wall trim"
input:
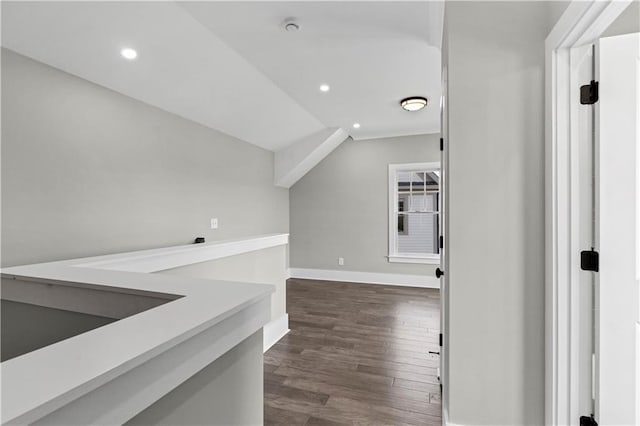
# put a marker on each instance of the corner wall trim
(295, 161)
(405, 280)
(274, 331)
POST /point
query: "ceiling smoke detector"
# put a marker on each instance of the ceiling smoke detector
(290, 25)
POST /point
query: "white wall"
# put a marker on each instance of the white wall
(340, 208)
(87, 171)
(495, 59)
(266, 266)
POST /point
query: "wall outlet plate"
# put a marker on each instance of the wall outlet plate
(341, 261)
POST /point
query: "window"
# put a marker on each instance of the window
(414, 213)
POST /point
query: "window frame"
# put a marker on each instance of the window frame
(393, 255)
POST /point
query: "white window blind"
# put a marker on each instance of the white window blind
(414, 212)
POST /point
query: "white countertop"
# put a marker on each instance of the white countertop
(41, 381)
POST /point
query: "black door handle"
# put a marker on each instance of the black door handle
(439, 273)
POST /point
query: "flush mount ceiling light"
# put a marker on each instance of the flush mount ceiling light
(324, 88)
(414, 103)
(356, 125)
(129, 53)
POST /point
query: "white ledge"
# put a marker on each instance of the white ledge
(405, 280)
(112, 367)
(426, 260)
(173, 257)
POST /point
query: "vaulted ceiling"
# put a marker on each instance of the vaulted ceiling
(232, 66)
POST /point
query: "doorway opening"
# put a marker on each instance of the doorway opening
(592, 219)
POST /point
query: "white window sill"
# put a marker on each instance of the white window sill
(428, 260)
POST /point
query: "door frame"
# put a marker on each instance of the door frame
(583, 22)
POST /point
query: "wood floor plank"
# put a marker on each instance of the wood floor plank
(382, 349)
(275, 390)
(419, 386)
(355, 379)
(358, 337)
(272, 377)
(408, 400)
(278, 417)
(399, 374)
(317, 421)
(313, 355)
(269, 368)
(357, 354)
(371, 393)
(420, 359)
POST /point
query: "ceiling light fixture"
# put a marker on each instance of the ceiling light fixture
(414, 103)
(324, 88)
(129, 53)
(356, 125)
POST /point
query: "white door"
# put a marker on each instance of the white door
(617, 309)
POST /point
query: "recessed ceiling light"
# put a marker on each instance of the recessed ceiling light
(356, 125)
(324, 88)
(414, 103)
(129, 53)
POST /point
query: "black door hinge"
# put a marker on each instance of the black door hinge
(441, 241)
(588, 421)
(440, 340)
(590, 260)
(441, 144)
(589, 93)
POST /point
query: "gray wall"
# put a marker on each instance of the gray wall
(229, 391)
(27, 327)
(340, 208)
(88, 171)
(628, 22)
(495, 58)
(555, 9)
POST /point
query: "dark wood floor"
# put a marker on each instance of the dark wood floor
(356, 354)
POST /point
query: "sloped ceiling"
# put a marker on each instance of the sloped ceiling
(372, 54)
(231, 66)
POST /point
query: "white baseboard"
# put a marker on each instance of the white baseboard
(405, 280)
(274, 331)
